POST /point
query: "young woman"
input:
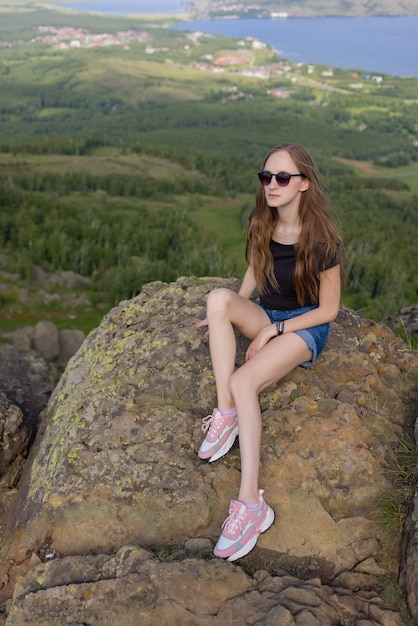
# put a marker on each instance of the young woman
(293, 255)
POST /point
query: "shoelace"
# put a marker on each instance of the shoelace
(234, 519)
(209, 422)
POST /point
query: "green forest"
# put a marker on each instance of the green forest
(129, 153)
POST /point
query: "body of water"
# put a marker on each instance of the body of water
(385, 45)
(130, 7)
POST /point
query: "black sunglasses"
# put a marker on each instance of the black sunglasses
(282, 178)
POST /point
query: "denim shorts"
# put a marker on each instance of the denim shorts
(314, 337)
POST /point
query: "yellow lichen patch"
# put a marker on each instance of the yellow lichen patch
(57, 501)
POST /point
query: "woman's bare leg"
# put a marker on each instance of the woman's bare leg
(279, 357)
(226, 309)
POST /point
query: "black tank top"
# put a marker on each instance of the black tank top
(284, 257)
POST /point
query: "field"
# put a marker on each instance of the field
(129, 152)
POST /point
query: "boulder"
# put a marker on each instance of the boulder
(410, 566)
(46, 340)
(69, 342)
(52, 344)
(133, 587)
(115, 461)
(14, 439)
(405, 321)
(27, 380)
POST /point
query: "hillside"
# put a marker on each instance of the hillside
(127, 148)
(301, 8)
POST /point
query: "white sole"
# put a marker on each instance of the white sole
(250, 545)
(226, 447)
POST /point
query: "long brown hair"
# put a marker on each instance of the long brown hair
(319, 237)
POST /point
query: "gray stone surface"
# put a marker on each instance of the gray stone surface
(133, 588)
(117, 451)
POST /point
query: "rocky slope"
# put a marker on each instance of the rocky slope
(114, 480)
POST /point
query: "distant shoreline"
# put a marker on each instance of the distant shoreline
(376, 44)
(77, 6)
(194, 13)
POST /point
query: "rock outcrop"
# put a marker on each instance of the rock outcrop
(405, 321)
(114, 473)
(45, 339)
(14, 440)
(133, 587)
(27, 380)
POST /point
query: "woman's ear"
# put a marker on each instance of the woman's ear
(305, 184)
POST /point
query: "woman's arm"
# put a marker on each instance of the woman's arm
(248, 283)
(329, 303)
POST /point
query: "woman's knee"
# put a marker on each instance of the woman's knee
(238, 382)
(218, 300)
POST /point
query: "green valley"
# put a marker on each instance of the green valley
(129, 152)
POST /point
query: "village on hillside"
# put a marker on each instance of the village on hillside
(236, 9)
(65, 38)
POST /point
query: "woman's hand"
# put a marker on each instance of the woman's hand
(202, 323)
(263, 337)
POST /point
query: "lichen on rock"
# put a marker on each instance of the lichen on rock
(115, 461)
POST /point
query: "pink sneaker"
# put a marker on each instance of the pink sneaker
(242, 528)
(221, 431)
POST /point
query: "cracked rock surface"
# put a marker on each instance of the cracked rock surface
(114, 473)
